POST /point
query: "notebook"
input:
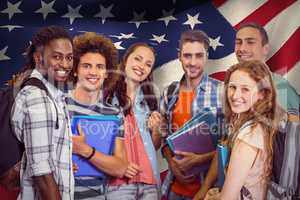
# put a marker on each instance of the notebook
(100, 132)
(195, 136)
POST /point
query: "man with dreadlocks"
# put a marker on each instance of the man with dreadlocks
(40, 119)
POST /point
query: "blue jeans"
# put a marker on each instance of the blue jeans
(175, 196)
(137, 191)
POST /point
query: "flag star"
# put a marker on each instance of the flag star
(2, 54)
(159, 39)
(214, 43)
(138, 19)
(46, 9)
(73, 13)
(11, 27)
(118, 45)
(167, 17)
(192, 20)
(12, 9)
(124, 36)
(105, 13)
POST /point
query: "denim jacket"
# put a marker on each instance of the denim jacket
(141, 114)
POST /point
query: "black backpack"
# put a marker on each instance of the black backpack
(10, 147)
(285, 182)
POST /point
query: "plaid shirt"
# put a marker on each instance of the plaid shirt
(209, 94)
(47, 149)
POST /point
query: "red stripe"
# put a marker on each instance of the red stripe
(218, 75)
(266, 12)
(218, 3)
(287, 56)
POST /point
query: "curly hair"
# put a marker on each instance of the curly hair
(42, 38)
(147, 88)
(90, 42)
(263, 112)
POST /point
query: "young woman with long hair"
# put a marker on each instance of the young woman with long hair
(250, 112)
(135, 94)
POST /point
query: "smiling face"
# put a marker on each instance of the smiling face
(249, 45)
(242, 92)
(55, 60)
(139, 64)
(91, 72)
(193, 57)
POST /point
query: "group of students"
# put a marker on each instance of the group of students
(102, 86)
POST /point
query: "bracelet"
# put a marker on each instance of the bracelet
(92, 154)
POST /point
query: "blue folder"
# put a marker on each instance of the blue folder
(223, 156)
(100, 132)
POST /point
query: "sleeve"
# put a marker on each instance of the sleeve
(38, 130)
(287, 96)
(293, 101)
(252, 136)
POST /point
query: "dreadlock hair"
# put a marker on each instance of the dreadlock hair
(42, 38)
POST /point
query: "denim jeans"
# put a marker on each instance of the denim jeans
(137, 191)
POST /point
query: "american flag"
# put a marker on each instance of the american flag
(158, 23)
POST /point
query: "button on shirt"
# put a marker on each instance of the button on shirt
(47, 149)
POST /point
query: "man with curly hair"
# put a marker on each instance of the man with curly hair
(95, 60)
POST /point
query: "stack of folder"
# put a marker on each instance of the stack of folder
(100, 132)
(197, 136)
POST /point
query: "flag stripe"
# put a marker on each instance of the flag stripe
(279, 30)
(287, 56)
(266, 12)
(218, 3)
(236, 11)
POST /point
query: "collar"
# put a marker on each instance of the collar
(203, 82)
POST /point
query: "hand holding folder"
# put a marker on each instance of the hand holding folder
(100, 132)
(196, 137)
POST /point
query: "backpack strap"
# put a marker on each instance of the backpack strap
(245, 193)
(39, 84)
(171, 91)
(34, 82)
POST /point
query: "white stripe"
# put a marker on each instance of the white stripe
(167, 73)
(293, 77)
(221, 64)
(281, 27)
(237, 10)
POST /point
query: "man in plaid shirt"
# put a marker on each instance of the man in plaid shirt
(187, 98)
(40, 119)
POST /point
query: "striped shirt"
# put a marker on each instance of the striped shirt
(91, 187)
(47, 149)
